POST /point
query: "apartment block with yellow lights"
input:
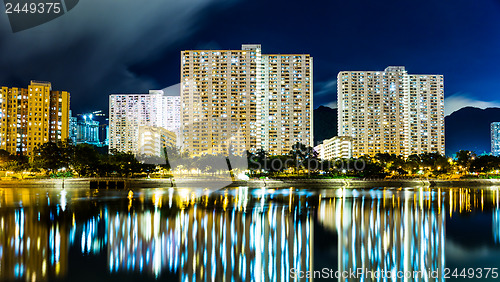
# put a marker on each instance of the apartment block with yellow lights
(391, 111)
(238, 100)
(32, 116)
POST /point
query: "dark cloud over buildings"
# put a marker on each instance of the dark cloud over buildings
(89, 50)
(103, 47)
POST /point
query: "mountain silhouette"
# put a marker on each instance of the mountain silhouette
(469, 129)
(325, 124)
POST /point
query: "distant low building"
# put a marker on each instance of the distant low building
(104, 134)
(72, 127)
(495, 138)
(335, 148)
(153, 139)
(319, 149)
(87, 129)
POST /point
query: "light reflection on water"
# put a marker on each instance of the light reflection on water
(388, 230)
(238, 234)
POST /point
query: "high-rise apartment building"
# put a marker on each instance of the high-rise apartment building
(237, 100)
(172, 113)
(33, 116)
(495, 138)
(128, 112)
(391, 111)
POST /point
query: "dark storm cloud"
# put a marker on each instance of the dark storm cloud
(89, 50)
(111, 46)
(457, 38)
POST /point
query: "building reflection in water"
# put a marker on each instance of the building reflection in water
(496, 217)
(237, 234)
(398, 229)
(30, 246)
(212, 243)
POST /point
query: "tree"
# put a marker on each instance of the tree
(485, 163)
(371, 167)
(18, 164)
(85, 160)
(172, 155)
(412, 163)
(390, 162)
(5, 158)
(52, 156)
(464, 159)
(257, 161)
(125, 164)
(302, 154)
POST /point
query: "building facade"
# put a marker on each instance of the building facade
(88, 129)
(391, 111)
(238, 100)
(72, 128)
(337, 147)
(152, 140)
(172, 113)
(495, 138)
(104, 133)
(129, 112)
(33, 116)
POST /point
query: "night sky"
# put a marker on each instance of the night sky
(108, 46)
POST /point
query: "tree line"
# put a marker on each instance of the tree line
(84, 160)
(67, 159)
(380, 165)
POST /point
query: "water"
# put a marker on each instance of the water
(247, 234)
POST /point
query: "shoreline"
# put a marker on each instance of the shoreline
(131, 183)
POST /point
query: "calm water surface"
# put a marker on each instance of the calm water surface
(244, 234)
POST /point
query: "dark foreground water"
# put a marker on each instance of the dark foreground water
(244, 234)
